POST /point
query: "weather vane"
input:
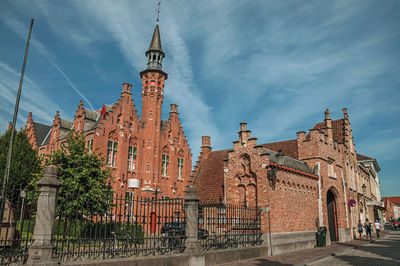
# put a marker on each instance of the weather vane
(158, 11)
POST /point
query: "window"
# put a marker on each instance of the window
(180, 167)
(129, 204)
(90, 144)
(112, 152)
(132, 158)
(164, 165)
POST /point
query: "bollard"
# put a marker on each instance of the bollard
(41, 251)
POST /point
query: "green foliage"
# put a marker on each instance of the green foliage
(25, 166)
(85, 184)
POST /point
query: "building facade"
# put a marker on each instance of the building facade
(299, 184)
(147, 155)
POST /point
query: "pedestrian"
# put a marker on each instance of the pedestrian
(360, 228)
(377, 228)
(368, 229)
(396, 224)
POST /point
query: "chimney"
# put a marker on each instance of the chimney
(126, 87)
(280, 157)
(301, 136)
(174, 108)
(9, 125)
(244, 134)
(328, 124)
(205, 146)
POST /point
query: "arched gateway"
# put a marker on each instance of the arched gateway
(332, 215)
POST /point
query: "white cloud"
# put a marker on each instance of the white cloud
(31, 98)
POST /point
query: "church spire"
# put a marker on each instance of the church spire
(155, 54)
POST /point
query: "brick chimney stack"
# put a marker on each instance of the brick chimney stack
(328, 124)
(205, 146)
(126, 87)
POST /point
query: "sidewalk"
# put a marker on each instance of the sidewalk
(306, 256)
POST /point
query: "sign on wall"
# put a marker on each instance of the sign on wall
(352, 203)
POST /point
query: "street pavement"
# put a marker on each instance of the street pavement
(385, 251)
(382, 252)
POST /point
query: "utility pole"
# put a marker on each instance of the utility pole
(7, 170)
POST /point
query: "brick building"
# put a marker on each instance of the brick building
(392, 207)
(303, 182)
(147, 154)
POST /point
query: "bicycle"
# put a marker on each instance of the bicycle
(170, 242)
(220, 241)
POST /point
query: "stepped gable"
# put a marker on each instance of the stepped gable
(41, 131)
(288, 147)
(209, 179)
(338, 130)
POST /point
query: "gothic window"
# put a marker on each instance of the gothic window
(132, 158)
(151, 115)
(112, 152)
(164, 165)
(79, 125)
(180, 167)
(148, 167)
(149, 144)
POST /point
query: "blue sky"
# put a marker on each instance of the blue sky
(276, 65)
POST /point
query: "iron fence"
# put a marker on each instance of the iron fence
(17, 226)
(124, 226)
(229, 226)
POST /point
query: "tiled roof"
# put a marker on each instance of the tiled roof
(288, 147)
(41, 131)
(92, 115)
(361, 157)
(337, 129)
(67, 124)
(210, 176)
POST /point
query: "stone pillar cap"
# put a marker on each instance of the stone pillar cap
(49, 177)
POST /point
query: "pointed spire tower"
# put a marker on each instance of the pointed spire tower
(153, 78)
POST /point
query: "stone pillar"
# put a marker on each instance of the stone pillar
(42, 248)
(193, 247)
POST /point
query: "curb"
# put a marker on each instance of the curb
(337, 252)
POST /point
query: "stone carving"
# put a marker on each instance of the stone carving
(271, 174)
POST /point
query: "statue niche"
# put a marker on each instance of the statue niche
(245, 174)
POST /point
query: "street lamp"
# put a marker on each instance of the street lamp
(364, 189)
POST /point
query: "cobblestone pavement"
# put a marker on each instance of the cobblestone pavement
(313, 255)
(382, 252)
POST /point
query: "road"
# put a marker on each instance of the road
(382, 252)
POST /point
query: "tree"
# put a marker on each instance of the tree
(85, 183)
(25, 166)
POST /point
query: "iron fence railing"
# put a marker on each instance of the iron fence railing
(125, 226)
(17, 227)
(229, 225)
